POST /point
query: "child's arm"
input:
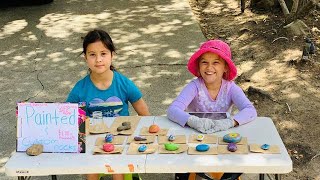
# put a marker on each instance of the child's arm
(176, 111)
(141, 107)
(247, 111)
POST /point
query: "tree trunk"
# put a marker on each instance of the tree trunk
(284, 8)
(302, 11)
(294, 7)
(243, 5)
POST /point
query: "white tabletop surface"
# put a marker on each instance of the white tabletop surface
(260, 131)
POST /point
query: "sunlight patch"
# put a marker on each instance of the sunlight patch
(167, 101)
(13, 27)
(246, 66)
(173, 54)
(293, 95)
(4, 160)
(288, 124)
(291, 54)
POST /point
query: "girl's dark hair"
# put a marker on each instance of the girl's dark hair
(98, 35)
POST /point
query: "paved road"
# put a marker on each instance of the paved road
(40, 53)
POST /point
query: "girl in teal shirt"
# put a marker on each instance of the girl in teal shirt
(104, 89)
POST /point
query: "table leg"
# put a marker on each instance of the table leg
(261, 176)
(24, 177)
(53, 177)
(277, 176)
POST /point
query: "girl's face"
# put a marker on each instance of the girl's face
(211, 67)
(98, 57)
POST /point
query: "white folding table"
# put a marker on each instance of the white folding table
(260, 131)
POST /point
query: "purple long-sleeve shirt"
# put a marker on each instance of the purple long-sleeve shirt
(195, 98)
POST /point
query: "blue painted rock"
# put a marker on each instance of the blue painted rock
(265, 146)
(142, 148)
(140, 138)
(202, 147)
(109, 138)
(108, 147)
(200, 137)
(171, 146)
(232, 147)
(171, 138)
(232, 138)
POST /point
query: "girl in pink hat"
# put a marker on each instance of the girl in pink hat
(212, 91)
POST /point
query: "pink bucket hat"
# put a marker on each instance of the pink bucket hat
(218, 47)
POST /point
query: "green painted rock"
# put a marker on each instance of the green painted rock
(171, 146)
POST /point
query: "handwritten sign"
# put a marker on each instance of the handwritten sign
(54, 125)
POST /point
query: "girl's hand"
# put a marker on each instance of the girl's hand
(201, 124)
(221, 125)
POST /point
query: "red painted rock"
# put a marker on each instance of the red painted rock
(108, 147)
(154, 128)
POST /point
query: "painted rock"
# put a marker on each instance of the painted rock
(140, 138)
(202, 147)
(171, 146)
(154, 128)
(126, 127)
(142, 148)
(109, 138)
(171, 138)
(108, 147)
(265, 146)
(232, 138)
(126, 123)
(232, 147)
(35, 150)
(200, 137)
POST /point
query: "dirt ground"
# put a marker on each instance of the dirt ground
(281, 86)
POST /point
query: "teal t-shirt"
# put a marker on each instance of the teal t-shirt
(112, 101)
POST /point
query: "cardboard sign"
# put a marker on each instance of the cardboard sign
(54, 125)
